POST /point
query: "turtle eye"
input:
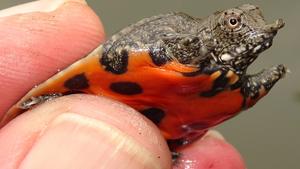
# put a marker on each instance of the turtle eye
(233, 22)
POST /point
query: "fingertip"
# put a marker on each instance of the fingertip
(210, 152)
(36, 6)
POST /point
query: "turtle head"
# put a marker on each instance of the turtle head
(240, 35)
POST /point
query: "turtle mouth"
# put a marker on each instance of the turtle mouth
(264, 39)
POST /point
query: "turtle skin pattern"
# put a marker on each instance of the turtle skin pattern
(185, 74)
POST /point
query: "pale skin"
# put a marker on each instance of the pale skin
(78, 131)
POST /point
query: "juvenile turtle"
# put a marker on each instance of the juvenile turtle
(185, 74)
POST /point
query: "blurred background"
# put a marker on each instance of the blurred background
(266, 135)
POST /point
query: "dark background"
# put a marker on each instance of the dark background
(267, 135)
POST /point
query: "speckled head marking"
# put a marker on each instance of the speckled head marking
(240, 34)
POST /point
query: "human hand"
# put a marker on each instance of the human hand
(78, 131)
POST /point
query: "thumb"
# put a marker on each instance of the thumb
(82, 131)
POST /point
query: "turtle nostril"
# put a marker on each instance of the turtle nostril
(280, 23)
(274, 27)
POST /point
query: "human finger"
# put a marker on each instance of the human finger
(39, 38)
(82, 131)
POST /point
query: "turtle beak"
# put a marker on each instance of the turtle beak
(275, 26)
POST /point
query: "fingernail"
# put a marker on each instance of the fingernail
(37, 6)
(76, 141)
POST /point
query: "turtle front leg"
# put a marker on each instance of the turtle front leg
(33, 101)
(258, 85)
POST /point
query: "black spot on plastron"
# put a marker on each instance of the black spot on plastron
(219, 84)
(154, 114)
(158, 56)
(77, 82)
(126, 88)
(115, 62)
